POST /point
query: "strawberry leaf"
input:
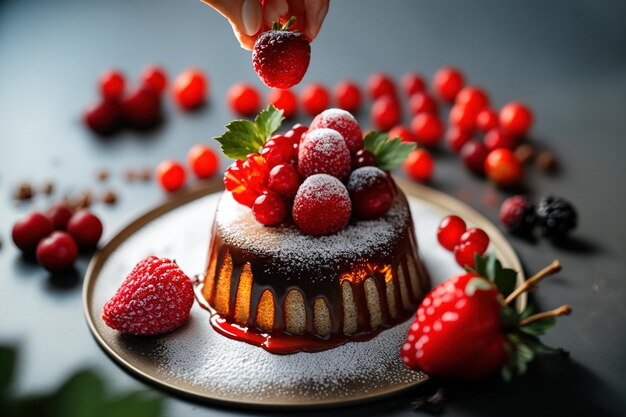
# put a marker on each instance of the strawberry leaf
(242, 137)
(491, 268)
(539, 327)
(389, 154)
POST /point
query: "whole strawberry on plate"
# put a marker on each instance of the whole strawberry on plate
(467, 329)
(155, 297)
(281, 56)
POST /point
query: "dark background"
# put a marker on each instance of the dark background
(567, 59)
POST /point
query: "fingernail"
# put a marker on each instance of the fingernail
(251, 16)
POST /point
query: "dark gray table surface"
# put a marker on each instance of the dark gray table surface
(567, 59)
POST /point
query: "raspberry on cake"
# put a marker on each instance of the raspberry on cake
(342, 267)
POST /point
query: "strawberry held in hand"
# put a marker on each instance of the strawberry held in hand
(281, 57)
(156, 297)
(466, 329)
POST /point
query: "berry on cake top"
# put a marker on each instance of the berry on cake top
(319, 176)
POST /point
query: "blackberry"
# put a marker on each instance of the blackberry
(557, 217)
(517, 214)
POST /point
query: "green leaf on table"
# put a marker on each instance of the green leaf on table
(389, 154)
(136, 404)
(81, 395)
(243, 137)
(490, 267)
(8, 355)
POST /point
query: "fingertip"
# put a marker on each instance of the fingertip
(251, 16)
(316, 11)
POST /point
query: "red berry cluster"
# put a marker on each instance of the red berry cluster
(202, 161)
(321, 175)
(55, 237)
(454, 235)
(141, 108)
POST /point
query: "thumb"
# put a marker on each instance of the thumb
(245, 17)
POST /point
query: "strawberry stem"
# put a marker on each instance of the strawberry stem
(553, 268)
(288, 23)
(561, 311)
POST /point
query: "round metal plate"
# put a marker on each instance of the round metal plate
(196, 362)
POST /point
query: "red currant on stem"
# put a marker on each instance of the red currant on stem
(284, 100)
(419, 165)
(269, 209)
(314, 98)
(363, 158)
(112, 84)
(347, 95)
(284, 180)
(244, 99)
(516, 118)
(190, 89)
(476, 237)
(450, 231)
(421, 102)
(464, 255)
(448, 81)
(427, 129)
(456, 137)
(155, 78)
(171, 175)
(203, 161)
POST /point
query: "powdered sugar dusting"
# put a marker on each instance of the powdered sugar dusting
(298, 252)
(344, 123)
(324, 151)
(364, 177)
(321, 188)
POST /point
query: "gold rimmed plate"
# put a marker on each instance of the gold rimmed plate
(196, 362)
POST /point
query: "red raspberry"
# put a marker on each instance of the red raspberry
(190, 89)
(284, 100)
(448, 82)
(456, 138)
(473, 97)
(155, 78)
(104, 118)
(112, 84)
(516, 118)
(421, 102)
(450, 231)
(463, 117)
(401, 131)
(59, 214)
(427, 128)
(57, 252)
(476, 237)
(244, 99)
(30, 230)
(279, 149)
(284, 179)
(517, 214)
(464, 255)
(171, 175)
(419, 165)
(503, 167)
(385, 112)
(473, 154)
(379, 85)
(363, 158)
(347, 95)
(86, 229)
(281, 57)
(498, 138)
(269, 209)
(487, 119)
(142, 108)
(344, 123)
(322, 205)
(203, 161)
(156, 297)
(371, 192)
(314, 98)
(324, 151)
(413, 83)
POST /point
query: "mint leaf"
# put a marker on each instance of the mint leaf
(242, 137)
(268, 121)
(389, 154)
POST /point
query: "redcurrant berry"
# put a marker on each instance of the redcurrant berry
(476, 237)
(473, 154)
(190, 89)
(456, 138)
(203, 161)
(284, 179)
(30, 230)
(498, 138)
(244, 99)
(419, 165)
(448, 82)
(379, 85)
(314, 99)
(347, 95)
(427, 129)
(104, 118)
(464, 255)
(463, 117)
(284, 100)
(86, 229)
(516, 118)
(269, 209)
(472, 97)
(421, 102)
(57, 252)
(279, 149)
(112, 84)
(171, 175)
(413, 83)
(401, 132)
(450, 231)
(486, 120)
(155, 78)
(503, 167)
(142, 108)
(59, 214)
(385, 112)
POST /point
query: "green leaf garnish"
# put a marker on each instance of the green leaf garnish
(242, 137)
(491, 268)
(389, 154)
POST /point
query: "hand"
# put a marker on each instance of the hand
(249, 18)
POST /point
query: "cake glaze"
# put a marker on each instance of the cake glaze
(285, 291)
